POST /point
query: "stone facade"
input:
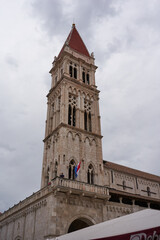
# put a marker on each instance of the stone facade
(102, 190)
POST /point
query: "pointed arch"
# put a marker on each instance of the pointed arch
(18, 238)
(75, 91)
(87, 140)
(94, 142)
(70, 89)
(77, 135)
(71, 174)
(69, 134)
(90, 174)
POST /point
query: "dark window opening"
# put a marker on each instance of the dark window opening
(87, 78)
(85, 120)
(155, 206)
(69, 114)
(114, 198)
(75, 73)
(127, 201)
(70, 71)
(90, 175)
(74, 116)
(90, 123)
(71, 174)
(83, 76)
(141, 203)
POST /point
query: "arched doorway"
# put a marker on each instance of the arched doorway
(78, 224)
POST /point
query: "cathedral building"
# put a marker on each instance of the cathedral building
(102, 190)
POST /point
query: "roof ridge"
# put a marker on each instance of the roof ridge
(133, 171)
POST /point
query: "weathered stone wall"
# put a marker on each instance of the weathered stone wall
(53, 215)
(128, 183)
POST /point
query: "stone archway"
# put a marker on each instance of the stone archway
(78, 224)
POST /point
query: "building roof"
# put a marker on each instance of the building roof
(75, 42)
(132, 171)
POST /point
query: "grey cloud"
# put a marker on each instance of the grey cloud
(6, 147)
(12, 61)
(55, 19)
(51, 15)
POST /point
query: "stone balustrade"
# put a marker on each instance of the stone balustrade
(64, 184)
(59, 184)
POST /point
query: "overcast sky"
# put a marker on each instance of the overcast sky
(125, 37)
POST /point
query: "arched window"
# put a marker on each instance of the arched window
(90, 122)
(88, 78)
(87, 116)
(72, 110)
(85, 120)
(70, 70)
(83, 76)
(74, 116)
(90, 174)
(69, 114)
(71, 174)
(75, 72)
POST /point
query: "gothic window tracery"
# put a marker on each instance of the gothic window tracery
(90, 174)
(87, 116)
(72, 110)
(73, 70)
(71, 174)
(85, 76)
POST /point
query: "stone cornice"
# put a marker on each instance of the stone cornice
(82, 85)
(74, 129)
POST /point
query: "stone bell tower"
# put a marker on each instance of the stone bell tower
(73, 132)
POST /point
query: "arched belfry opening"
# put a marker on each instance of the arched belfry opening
(78, 224)
(71, 174)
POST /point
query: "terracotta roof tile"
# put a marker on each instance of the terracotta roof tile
(132, 171)
(75, 42)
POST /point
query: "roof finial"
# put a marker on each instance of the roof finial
(73, 24)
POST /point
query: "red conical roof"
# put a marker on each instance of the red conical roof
(75, 42)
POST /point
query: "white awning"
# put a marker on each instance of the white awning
(135, 222)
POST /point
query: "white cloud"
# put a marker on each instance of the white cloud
(125, 38)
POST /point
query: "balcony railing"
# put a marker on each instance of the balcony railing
(73, 186)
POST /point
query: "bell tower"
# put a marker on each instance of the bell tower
(73, 132)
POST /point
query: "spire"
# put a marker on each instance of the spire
(75, 42)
